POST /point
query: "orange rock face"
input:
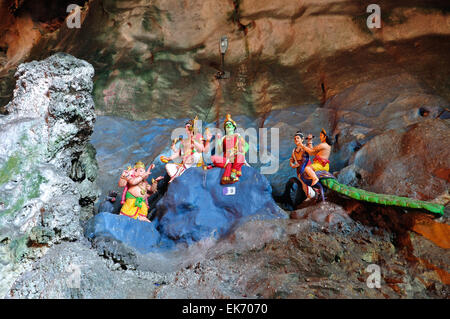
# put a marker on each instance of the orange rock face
(438, 233)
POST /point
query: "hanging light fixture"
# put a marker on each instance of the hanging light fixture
(223, 44)
(223, 49)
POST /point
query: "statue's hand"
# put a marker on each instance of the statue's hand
(208, 134)
(294, 164)
(164, 159)
(150, 169)
(309, 137)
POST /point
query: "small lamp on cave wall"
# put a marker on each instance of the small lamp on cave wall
(223, 49)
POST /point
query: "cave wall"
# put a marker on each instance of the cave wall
(158, 58)
(316, 60)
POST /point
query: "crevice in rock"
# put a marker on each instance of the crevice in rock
(424, 112)
(235, 16)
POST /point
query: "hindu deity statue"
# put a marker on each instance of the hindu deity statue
(234, 148)
(300, 161)
(321, 154)
(190, 150)
(136, 191)
(315, 176)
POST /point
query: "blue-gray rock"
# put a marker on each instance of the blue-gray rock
(140, 235)
(195, 205)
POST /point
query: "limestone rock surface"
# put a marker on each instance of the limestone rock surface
(46, 161)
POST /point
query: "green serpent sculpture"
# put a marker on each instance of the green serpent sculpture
(328, 180)
(381, 199)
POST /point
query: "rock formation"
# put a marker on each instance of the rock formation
(47, 166)
(383, 94)
(283, 258)
(195, 207)
(316, 59)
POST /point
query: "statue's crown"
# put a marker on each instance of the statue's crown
(229, 119)
(139, 165)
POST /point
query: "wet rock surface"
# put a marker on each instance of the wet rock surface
(74, 270)
(410, 151)
(306, 259)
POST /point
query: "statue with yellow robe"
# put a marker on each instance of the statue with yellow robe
(136, 191)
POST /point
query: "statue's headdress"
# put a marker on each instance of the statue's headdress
(139, 165)
(191, 124)
(229, 119)
(323, 132)
(299, 133)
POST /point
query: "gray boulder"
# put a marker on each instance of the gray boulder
(47, 167)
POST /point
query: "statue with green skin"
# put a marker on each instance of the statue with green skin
(234, 148)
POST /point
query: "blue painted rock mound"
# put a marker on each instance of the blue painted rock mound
(195, 205)
(136, 234)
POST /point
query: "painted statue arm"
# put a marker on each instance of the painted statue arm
(123, 178)
(292, 161)
(207, 140)
(241, 141)
(199, 146)
(176, 154)
(151, 188)
(312, 150)
(122, 182)
(309, 146)
(206, 145)
(135, 180)
(246, 147)
(219, 146)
